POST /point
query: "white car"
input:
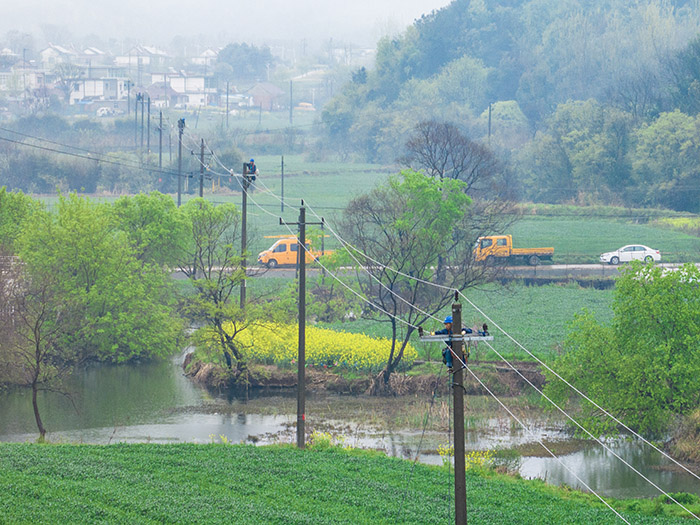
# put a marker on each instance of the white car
(631, 252)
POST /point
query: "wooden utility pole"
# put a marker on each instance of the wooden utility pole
(180, 129)
(301, 365)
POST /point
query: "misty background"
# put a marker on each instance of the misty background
(214, 22)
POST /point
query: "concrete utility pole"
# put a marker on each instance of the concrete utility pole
(301, 366)
(136, 119)
(291, 102)
(201, 170)
(160, 141)
(142, 104)
(282, 199)
(458, 418)
(181, 129)
(148, 134)
(245, 184)
(227, 104)
(456, 341)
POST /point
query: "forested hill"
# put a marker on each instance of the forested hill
(580, 92)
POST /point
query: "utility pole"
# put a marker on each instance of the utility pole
(181, 129)
(160, 141)
(245, 184)
(128, 98)
(282, 199)
(148, 134)
(291, 102)
(136, 119)
(489, 139)
(301, 365)
(458, 418)
(142, 104)
(201, 170)
(227, 104)
(455, 342)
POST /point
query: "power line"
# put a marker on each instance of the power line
(608, 414)
(521, 346)
(95, 157)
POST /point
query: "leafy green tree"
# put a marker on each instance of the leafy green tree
(127, 303)
(212, 261)
(581, 156)
(665, 170)
(155, 230)
(15, 209)
(643, 367)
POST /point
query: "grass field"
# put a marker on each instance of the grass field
(536, 316)
(279, 484)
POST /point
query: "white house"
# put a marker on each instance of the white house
(54, 55)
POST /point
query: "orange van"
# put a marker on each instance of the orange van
(284, 252)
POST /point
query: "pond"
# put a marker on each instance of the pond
(156, 403)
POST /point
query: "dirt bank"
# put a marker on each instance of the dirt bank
(499, 379)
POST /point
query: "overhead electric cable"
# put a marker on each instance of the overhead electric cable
(601, 443)
(608, 414)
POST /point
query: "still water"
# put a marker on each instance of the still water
(155, 403)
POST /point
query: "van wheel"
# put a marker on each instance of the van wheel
(533, 260)
(490, 260)
(272, 264)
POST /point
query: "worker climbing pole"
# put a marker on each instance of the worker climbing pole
(456, 343)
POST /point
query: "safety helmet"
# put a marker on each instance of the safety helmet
(252, 160)
(448, 319)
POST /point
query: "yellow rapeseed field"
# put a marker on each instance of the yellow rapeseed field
(274, 343)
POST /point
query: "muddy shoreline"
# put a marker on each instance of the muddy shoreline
(499, 379)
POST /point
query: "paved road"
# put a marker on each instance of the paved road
(603, 271)
(544, 271)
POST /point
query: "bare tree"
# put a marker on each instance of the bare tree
(413, 240)
(37, 318)
(442, 150)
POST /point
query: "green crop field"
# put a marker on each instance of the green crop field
(189, 483)
(536, 316)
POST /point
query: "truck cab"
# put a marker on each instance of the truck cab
(284, 252)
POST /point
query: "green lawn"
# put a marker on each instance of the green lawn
(245, 484)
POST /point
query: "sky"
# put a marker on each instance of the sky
(157, 22)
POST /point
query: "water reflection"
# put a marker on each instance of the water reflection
(155, 403)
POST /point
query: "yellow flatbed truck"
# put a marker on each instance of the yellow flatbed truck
(499, 248)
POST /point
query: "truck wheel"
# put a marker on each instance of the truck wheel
(533, 260)
(614, 260)
(272, 264)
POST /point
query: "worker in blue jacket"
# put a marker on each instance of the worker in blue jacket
(447, 351)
